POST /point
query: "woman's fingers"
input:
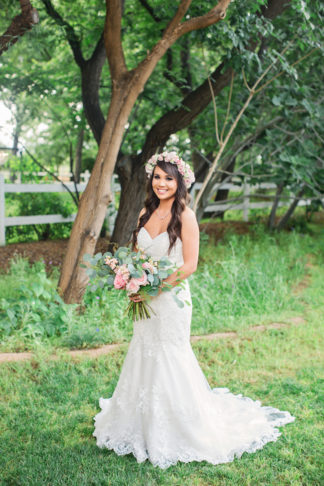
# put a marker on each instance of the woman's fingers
(136, 298)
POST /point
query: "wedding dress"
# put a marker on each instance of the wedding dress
(163, 408)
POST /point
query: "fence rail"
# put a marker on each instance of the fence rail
(241, 203)
(248, 191)
(7, 188)
(16, 176)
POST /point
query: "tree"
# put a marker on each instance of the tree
(19, 25)
(90, 69)
(194, 100)
(290, 97)
(126, 87)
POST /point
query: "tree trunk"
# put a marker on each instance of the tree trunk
(78, 155)
(217, 177)
(192, 105)
(169, 123)
(15, 141)
(90, 71)
(95, 199)
(272, 216)
(126, 87)
(131, 200)
(222, 194)
(284, 220)
(90, 83)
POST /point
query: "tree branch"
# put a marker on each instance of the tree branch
(167, 73)
(72, 38)
(178, 119)
(273, 8)
(228, 106)
(150, 10)
(223, 144)
(174, 22)
(19, 25)
(212, 17)
(185, 66)
(215, 110)
(113, 44)
(99, 50)
(53, 175)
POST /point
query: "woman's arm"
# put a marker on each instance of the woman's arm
(190, 248)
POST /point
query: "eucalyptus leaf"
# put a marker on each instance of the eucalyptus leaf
(178, 301)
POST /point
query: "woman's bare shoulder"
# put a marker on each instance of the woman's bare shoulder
(188, 216)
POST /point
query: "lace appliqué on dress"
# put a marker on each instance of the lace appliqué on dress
(163, 408)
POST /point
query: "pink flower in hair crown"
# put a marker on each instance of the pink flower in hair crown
(172, 158)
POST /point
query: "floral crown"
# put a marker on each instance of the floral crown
(174, 159)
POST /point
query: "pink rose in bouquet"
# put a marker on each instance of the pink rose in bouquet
(119, 282)
(133, 273)
(142, 280)
(133, 286)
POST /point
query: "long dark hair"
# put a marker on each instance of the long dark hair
(152, 202)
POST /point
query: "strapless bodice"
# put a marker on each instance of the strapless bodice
(158, 247)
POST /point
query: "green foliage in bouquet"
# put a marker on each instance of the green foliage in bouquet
(133, 272)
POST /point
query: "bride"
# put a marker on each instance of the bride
(163, 408)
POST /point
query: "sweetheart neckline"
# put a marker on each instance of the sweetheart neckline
(155, 236)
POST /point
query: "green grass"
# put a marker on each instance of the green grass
(248, 279)
(241, 281)
(47, 407)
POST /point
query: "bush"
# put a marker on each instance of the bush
(25, 204)
(35, 308)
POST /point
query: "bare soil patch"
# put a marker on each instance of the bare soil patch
(53, 251)
(219, 229)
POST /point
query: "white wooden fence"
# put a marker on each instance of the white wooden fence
(242, 203)
(6, 188)
(62, 175)
(248, 192)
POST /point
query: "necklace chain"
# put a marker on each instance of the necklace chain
(161, 217)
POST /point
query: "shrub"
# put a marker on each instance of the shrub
(34, 309)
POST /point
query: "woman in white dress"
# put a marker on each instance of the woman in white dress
(163, 408)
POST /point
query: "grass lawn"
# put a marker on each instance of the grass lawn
(47, 406)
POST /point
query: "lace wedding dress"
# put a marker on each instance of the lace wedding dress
(163, 408)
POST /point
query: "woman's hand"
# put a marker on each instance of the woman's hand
(138, 297)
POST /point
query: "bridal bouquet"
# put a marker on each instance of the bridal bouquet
(132, 272)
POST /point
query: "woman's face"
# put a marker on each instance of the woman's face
(164, 185)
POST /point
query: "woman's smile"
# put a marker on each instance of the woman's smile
(164, 185)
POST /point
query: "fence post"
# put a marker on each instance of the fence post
(86, 176)
(111, 213)
(246, 200)
(2, 212)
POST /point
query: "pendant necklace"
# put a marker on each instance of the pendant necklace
(161, 217)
